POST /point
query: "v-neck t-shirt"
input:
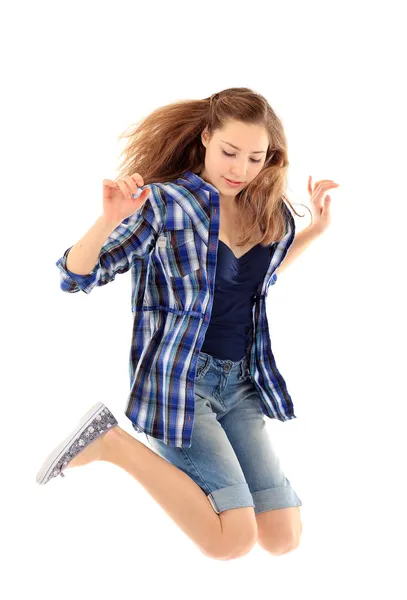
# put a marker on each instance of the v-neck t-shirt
(229, 331)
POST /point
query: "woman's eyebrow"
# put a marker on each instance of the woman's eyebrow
(236, 148)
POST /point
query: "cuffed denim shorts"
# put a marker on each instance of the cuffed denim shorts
(232, 458)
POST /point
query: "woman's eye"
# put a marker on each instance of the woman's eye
(252, 159)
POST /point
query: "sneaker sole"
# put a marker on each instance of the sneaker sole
(65, 450)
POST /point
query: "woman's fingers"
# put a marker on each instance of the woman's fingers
(138, 179)
(325, 183)
(128, 185)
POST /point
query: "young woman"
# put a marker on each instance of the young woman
(203, 240)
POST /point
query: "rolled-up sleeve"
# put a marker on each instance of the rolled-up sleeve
(134, 238)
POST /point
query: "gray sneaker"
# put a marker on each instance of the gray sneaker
(97, 420)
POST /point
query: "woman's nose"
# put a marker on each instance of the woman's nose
(240, 172)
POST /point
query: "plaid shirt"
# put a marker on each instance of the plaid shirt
(170, 244)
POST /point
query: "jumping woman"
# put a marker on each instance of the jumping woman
(200, 217)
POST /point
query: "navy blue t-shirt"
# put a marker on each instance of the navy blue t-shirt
(229, 331)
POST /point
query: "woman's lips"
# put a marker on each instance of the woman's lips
(233, 183)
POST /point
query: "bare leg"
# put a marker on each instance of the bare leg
(181, 498)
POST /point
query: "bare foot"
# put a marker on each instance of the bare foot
(94, 451)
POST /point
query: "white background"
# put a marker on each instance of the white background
(74, 77)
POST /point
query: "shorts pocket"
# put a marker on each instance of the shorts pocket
(246, 374)
(179, 256)
(202, 367)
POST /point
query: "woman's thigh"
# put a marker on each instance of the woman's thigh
(211, 460)
(246, 429)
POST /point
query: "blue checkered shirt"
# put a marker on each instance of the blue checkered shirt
(170, 245)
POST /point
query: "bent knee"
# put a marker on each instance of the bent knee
(236, 553)
(239, 534)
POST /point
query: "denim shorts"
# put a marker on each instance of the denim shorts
(231, 458)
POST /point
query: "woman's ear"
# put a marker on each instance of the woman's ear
(205, 136)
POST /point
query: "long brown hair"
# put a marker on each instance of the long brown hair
(166, 143)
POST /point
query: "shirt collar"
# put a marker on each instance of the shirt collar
(197, 182)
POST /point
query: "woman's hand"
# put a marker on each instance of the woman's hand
(118, 203)
(320, 207)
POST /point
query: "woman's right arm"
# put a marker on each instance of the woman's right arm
(126, 230)
(84, 255)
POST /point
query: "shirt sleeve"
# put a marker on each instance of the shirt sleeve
(134, 238)
(290, 229)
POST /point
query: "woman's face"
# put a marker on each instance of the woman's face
(242, 165)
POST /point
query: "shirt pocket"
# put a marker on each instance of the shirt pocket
(179, 256)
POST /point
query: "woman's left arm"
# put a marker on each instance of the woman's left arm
(301, 241)
(321, 218)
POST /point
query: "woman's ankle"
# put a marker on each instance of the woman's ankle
(110, 442)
